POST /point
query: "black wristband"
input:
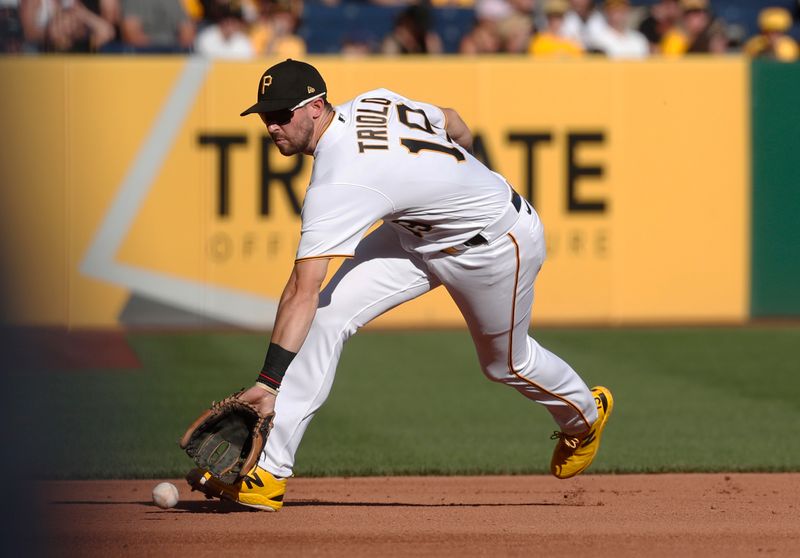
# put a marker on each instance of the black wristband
(276, 362)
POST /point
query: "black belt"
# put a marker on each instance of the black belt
(478, 239)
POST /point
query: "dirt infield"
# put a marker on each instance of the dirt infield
(625, 515)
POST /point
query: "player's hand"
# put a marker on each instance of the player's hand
(262, 399)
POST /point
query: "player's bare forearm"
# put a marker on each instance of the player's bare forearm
(457, 129)
(296, 311)
(298, 304)
(295, 314)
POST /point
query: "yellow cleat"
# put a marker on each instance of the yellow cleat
(259, 489)
(573, 454)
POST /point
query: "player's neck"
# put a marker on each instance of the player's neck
(319, 128)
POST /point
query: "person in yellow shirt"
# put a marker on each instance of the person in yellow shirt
(697, 33)
(549, 42)
(194, 9)
(453, 3)
(274, 32)
(773, 42)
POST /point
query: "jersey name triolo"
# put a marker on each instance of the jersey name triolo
(362, 175)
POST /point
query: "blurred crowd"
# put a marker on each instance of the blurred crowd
(243, 29)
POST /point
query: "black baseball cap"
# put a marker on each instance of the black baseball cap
(288, 85)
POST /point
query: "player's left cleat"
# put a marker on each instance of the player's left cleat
(259, 489)
(573, 454)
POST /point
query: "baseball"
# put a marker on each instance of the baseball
(165, 495)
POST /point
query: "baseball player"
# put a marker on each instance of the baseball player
(447, 221)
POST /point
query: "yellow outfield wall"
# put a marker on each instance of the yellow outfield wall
(129, 179)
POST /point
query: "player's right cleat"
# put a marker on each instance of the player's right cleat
(259, 489)
(573, 454)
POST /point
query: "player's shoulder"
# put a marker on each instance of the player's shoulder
(373, 94)
(381, 93)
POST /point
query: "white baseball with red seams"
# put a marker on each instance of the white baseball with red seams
(386, 157)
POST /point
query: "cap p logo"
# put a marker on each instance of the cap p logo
(266, 81)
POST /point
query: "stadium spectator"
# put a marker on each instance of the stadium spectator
(357, 44)
(275, 30)
(226, 36)
(493, 10)
(388, 3)
(453, 3)
(512, 21)
(550, 42)
(483, 38)
(661, 17)
(412, 33)
(195, 9)
(584, 23)
(516, 32)
(110, 11)
(62, 26)
(773, 42)
(156, 26)
(201, 11)
(618, 40)
(698, 32)
(34, 17)
(11, 36)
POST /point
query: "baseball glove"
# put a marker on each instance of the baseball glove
(227, 439)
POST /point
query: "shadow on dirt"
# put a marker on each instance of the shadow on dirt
(224, 506)
(208, 506)
(419, 505)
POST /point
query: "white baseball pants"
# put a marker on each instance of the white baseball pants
(492, 286)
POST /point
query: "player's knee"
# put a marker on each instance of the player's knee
(504, 371)
(495, 371)
(328, 321)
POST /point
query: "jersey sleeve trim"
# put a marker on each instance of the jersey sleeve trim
(325, 257)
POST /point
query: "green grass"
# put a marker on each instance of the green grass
(689, 399)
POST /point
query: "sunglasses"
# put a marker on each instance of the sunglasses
(279, 117)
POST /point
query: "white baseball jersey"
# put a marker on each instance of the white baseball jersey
(362, 174)
(387, 157)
